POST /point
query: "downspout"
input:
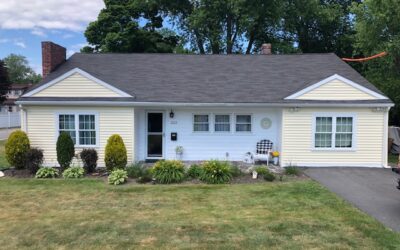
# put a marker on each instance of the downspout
(24, 119)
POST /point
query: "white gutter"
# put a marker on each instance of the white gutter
(181, 104)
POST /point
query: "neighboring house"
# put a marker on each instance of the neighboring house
(14, 92)
(315, 108)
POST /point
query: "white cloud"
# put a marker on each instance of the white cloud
(76, 48)
(71, 15)
(20, 44)
(38, 32)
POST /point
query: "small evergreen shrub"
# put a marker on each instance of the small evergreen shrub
(65, 150)
(167, 171)
(146, 176)
(16, 148)
(34, 158)
(135, 170)
(216, 172)
(291, 170)
(117, 177)
(194, 171)
(115, 153)
(261, 170)
(46, 173)
(73, 173)
(235, 171)
(89, 158)
(268, 176)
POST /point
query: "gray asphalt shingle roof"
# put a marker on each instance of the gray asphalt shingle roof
(210, 78)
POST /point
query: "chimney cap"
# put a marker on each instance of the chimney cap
(266, 49)
(266, 45)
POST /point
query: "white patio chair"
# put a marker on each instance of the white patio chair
(263, 151)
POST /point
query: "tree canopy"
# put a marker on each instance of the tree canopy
(19, 70)
(4, 82)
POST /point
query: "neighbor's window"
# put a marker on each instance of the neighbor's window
(243, 123)
(81, 128)
(334, 132)
(201, 123)
(222, 123)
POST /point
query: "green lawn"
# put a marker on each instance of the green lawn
(3, 161)
(88, 214)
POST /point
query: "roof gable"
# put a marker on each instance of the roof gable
(336, 87)
(76, 83)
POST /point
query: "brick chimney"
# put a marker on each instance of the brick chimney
(52, 56)
(266, 49)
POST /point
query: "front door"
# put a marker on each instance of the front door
(155, 134)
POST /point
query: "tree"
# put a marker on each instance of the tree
(117, 29)
(65, 150)
(19, 70)
(377, 30)
(4, 82)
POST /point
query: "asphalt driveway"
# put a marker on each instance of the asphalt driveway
(373, 190)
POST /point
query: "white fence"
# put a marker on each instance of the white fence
(10, 120)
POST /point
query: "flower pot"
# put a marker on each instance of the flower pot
(276, 160)
(255, 174)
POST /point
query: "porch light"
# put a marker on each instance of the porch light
(171, 114)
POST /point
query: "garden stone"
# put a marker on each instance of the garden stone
(1, 174)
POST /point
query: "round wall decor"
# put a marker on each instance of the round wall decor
(266, 123)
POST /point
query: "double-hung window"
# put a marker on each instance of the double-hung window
(243, 123)
(334, 132)
(81, 127)
(222, 123)
(201, 123)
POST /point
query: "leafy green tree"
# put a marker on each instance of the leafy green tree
(117, 29)
(19, 70)
(377, 30)
(4, 82)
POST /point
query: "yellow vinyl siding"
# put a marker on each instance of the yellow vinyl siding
(42, 131)
(76, 85)
(297, 139)
(336, 90)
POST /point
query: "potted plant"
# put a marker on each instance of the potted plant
(275, 157)
(179, 151)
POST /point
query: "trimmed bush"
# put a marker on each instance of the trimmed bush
(167, 171)
(194, 171)
(65, 150)
(146, 176)
(261, 170)
(89, 158)
(117, 177)
(46, 173)
(268, 176)
(135, 170)
(235, 171)
(115, 153)
(16, 148)
(216, 172)
(292, 170)
(73, 173)
(34, 158)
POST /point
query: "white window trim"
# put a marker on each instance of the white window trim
(215, 123)
(210, 124)
(76, 114)
(251, 123)
(334, 116)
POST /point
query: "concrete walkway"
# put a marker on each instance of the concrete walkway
(372, 190)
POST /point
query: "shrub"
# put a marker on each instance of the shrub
(34, 158)
(268, 176)
(117, 177)
(290, 170)
(166, 171)
(115, 153)
(65, 150)
(216, 172)
(89, 158)
(46, 173)
(135, 170)
(146, 176)
(16, 148)
(261, 170)
(235, 171)
(194, 171)
(73, 173)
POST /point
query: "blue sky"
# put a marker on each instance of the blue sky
(25, 23)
